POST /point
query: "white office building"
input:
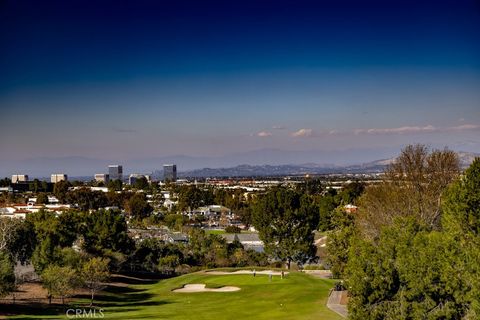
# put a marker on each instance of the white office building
(57, 177)
(19, 178)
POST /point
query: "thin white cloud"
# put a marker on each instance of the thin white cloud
(264, 134)
(405, 130)
(303, 133)
(279, 127)
(417, 129)
(399, 130)
(465, 127)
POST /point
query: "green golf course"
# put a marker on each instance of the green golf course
(297, 296)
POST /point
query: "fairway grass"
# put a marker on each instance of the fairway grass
(298, 296)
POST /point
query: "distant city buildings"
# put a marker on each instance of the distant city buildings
(102, 177)
(57, 177)
(170, 172)
(115, 172)
(16, 178)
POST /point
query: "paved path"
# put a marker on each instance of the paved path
(333, 303)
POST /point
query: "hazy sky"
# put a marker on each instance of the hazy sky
(122, 80)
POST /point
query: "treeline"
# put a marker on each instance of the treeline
(84, 247)
(412, 251)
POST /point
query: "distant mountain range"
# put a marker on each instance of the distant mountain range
(263, 162)
(377, 166)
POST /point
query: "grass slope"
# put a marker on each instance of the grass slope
(298, 296)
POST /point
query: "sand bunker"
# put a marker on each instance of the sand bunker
(202, 288)
(267, 272)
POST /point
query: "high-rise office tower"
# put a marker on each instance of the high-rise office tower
(16, 178)
(57, 177)
(170, 172)
(115, 172)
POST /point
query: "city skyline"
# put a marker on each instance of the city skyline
(120, 82)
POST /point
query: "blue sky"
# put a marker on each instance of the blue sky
(125, 80)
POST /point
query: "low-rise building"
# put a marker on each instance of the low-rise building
(248, 240)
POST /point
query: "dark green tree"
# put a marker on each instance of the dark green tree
(5, 182)
(409, 273)
(339, 241)
(115, 185)
(461, 221)
(326, 208)
(7, 276)
(192, 197)
(105, 229)
(138, 207)
(86, 199)
(60, 190)
(141, 183)
(42, 198)
(286, 220)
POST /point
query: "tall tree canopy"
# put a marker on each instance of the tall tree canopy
(415, 268)
(286, 220)
(413, 186)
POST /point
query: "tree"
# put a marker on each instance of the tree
(326, 207)
(5, 182)
(192, 197)
(141, 183)
(7, 275)
(22, 241)
(351, 191)
(68, 227)
(461, 220)
(286, 221)
(413, 186)
(45, 253)
(42, 198)
(168, 264)
(8, 228)
(59, 281)
(115, 185)
(60, 190)
(94, 274)
(339, 241)
(138, 207)
(87, 199)
(413, 271)
(175, 221)
(233, 229)
(462, 204)
(409, 273)
(45, 225)
(105, 229)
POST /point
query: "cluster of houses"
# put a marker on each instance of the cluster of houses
(163, 234)
(21, 210)
(214, 216)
